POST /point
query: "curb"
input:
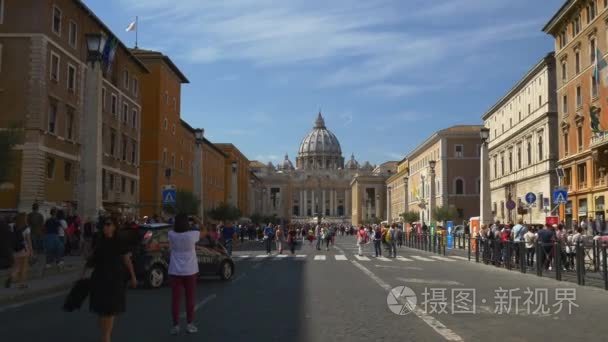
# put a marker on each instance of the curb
(33, 294)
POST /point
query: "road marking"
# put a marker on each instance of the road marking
(459, 257)
(400, 267)
(361, 258)
(431, 321)
(301, 256)
(319, 257)
(429, 281)
(442, 258)
(32, 301)
(201, 304)
(341, 257)
(242, 256)
(381, 258)
(403, 259)
(421, 258)
(262, 256)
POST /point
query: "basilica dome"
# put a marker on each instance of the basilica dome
(320, 149)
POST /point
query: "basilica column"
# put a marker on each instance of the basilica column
(301, 206)
(347, 201)
(323, 204)
(305, 202)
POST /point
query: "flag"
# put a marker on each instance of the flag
(109, 51)
(594, 116)
(132, 26)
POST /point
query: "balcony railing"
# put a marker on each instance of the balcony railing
(600, 181)
(599, 139)
(582, 185)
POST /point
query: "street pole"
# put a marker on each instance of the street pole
(484, 198)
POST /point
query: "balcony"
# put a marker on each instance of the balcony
(582, 185)
(599, 139)
(600, 181)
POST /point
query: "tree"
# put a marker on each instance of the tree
(410, 216)
(9, 138)
(224, 212)
(444, 214)
(185, 203)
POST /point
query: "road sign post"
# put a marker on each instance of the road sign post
(169, 196)
(530, 199)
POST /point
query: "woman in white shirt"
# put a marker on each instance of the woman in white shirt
(183, 270)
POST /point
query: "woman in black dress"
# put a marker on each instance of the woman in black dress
(111, 264)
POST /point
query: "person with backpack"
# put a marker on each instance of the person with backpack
(22, 251)
(361, 239)
(378, 242)
(391, 241)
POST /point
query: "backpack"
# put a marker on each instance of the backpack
(18, 240)
(388, 236)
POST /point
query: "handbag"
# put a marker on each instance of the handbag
(79, 292)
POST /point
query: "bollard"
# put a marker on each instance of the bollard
(477, 249)
(596, 258)
(580, 263)
(557, 251)
(604, 265)
(469, 252)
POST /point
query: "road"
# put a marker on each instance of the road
(335, 296)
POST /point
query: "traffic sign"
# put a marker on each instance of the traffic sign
(560, 196)
(530, 198)
(169, 196)
(511, 204)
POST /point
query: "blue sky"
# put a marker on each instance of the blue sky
(386, 73)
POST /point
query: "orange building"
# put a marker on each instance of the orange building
(168, 143)
(214, 175)
(236, 182)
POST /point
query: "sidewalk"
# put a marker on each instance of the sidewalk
(42, 281)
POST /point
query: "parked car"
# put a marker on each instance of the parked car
(151, 256)
(458, 230)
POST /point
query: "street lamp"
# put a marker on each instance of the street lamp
(406, 193)
(198, 170)
(484, 133)
(432, 164)
(484, 175)
(388, 204)
(95, 45)
(198, 135)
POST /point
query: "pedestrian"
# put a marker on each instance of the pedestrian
(377, 237)
(110, 261)
(530, 241)
(183, 270)
(505, 243)
(63, 226)
(326, 237)
(311, 237)
(361, 239)
(391, 237)
(228, 235)
(517, 235)
(292, 239)
(318, 236)
(268, 237)
(279, 239)
(22, 252)
(546, 238)
(35, 221)
(52, 243)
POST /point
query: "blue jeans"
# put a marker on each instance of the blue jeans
(378, 247)
(229, 247)
(319, 242)
(53, 248)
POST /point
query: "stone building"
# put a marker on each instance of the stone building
(319, 186)
(236, 178)
(579, 29)
(82, 129)
(523, 145)
(214, 175)
(397, 191)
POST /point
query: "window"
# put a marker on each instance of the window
(67, 171)
(579, 131)
(519, 156)
(73, 34)
(123, 184)
(0, 44)
(529, 108)
(566, 143)
(173, 129)
(565, 104)
(502, 163)
(133, 151)
(123, 147)
(540, 146)
(135, 87)
(69, 124)
(181, 163)
(495, 168)
(164, 156)
(594, 92)
(529, 145)
(111, 181)
(113, 142)
(1, 11)
(459, 186)
(132, 187)
(165, 124)
(125, 78)
(592, 51)
(459, 151)
(134, 118)
(54, 67)
(57, 20)
(520, 115)
(510, 160)
(540, 100)
(52, 117)
(563, 39)
(71, 78)
(591, 11)
(103, 99)
(50, 168)
(582, 175)
(174, 103)
(125, 112)
(576, 26)
(577, 62)
(579, 97)
(564, 71)
(173, 160)
(114, 105)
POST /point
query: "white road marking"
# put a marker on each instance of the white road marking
(341, 257)
(442, 258)
(400, 267)
(421, 258)
(281, 256)
(201, 303)
(400, 258)
(381, 258)
(242, 256)
(431, 321)
(301, 256)
(429, 281)
(262, 256)
(362, 258)
(319, 257)
(459, 257)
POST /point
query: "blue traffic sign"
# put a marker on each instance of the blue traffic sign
(560, 196)
(169, 196)
(530, 198)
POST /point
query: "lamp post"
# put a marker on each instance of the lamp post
(406, 194)
(431, 191)
(388, 204)
(378, 212)
(90, 193)
(484, 174)
(233, 188)
(199, 134)
(263, 200)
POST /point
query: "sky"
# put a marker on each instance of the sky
(386, 74)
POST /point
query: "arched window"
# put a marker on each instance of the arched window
(459, 186)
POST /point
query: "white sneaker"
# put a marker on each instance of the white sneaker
(175, 330)
(550, 268)
(191, 328)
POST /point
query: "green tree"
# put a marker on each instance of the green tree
(224, 212)
(9, 138)
(410, 216)
(185, 203)
(444, 214)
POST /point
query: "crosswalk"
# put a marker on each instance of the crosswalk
(355, 257)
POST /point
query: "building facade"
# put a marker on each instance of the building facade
(397, 190)
(444, 172)
(523, 146)
(214, 175)
(580, 31)
(79, 127)
(236, 178)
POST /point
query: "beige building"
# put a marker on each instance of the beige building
(369, 194)
(48, 87)
(397, 190)
(453, 155)
(523, 145)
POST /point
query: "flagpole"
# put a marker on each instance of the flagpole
(136, 29)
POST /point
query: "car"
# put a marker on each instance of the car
(458, 230)
(151, 256)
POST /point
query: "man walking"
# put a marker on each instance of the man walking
(268, 238)
(318, 235)
(517, 235)
(228, 234)
(391, 242)
(35, 221)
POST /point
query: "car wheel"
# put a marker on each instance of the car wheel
(155, 277)
(226, 270)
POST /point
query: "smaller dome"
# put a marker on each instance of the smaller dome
(286, 165)
(271, 166)
(367, 167)
(352, 163)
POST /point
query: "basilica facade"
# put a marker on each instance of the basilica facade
(322, 184)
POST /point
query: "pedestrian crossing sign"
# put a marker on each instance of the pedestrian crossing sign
(560, 196)
(169, 196)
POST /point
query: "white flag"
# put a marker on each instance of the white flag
(132, 27)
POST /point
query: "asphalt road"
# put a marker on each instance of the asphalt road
(340, 298)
